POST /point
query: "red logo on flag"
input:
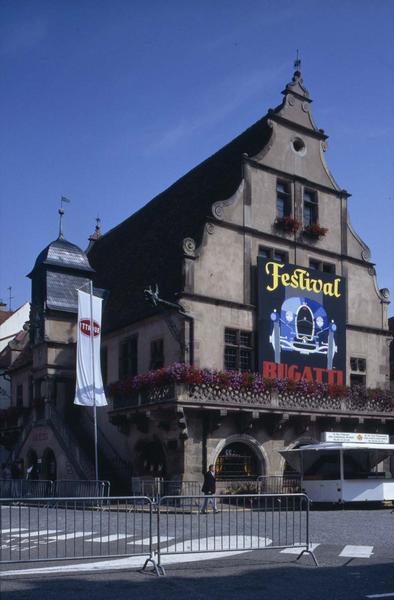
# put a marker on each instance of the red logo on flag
(84, 325)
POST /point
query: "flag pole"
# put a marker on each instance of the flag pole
(94, 380)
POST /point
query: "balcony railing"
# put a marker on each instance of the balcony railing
(295, 402)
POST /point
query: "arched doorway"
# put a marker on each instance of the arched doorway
(237, 461)
(32, 465)
(151, 461)
(49, 467)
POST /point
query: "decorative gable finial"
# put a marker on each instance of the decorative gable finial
(97, 232)
(297, 63)
(61, 213)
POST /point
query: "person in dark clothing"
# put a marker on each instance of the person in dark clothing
(209, 489)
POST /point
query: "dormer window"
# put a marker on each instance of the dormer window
(310, 208)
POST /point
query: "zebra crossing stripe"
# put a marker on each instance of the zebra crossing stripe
(8, 531)
(146, 541)
(70, 535)
(109, 538)
(30, 534)
(357, 552)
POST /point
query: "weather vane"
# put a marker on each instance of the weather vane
(297, 62)
(61, 213)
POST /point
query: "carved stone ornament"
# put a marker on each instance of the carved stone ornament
(218, 207)
(385, 293)
(372, 271)
(366, 254)
(291, 100)
(324, 146)
(189, 246)
(210, 227)
(305, 106)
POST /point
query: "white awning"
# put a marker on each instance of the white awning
(324, 446)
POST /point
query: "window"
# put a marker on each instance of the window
(273, 254)
(358, 368)
(157, 354)
(128, 357)
(283, 200)
(19, 396)
(321, 266)
(310, 208)
(238, 350)
(104, 364)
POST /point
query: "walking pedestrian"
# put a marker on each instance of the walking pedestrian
(209, 489)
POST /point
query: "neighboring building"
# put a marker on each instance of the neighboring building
(12, 334)
(258, 269)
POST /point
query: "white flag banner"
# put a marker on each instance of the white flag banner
(88, 353)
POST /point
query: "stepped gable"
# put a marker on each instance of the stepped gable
(147, 247)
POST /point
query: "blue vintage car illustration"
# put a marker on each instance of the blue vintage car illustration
(303, 326)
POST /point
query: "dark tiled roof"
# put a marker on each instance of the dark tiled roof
(147, 247)
(64, 254)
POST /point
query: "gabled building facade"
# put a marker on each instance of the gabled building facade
(264, 204)
(240, 304)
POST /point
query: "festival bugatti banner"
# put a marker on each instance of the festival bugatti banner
(89, 389)
(302, 323)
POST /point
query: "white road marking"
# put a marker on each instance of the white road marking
(8, 531)
(109, 538)
(30, 534)
(70, 535)
(118, 564)
(239, 545)
(146, 541)
(298, 550)
(357, 551)
(220, 543)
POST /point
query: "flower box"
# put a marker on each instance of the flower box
(314, 231)
(287, 224)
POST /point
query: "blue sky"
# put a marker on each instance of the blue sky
(109, 102)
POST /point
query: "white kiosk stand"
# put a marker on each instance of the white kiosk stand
(344, 467)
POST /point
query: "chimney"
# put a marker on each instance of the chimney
(3, 306)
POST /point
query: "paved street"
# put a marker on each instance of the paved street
(355, 551)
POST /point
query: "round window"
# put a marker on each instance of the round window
(298, 145)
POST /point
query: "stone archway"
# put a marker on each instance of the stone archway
(151, 460)
(49, 465)
(239, 457)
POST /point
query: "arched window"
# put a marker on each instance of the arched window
(237, 461)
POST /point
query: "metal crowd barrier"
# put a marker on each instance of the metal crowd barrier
(24, 488)
(279, 484)
(59, 529)
(65, 488)
(156, 488)
(28, 488)
(233, 523)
